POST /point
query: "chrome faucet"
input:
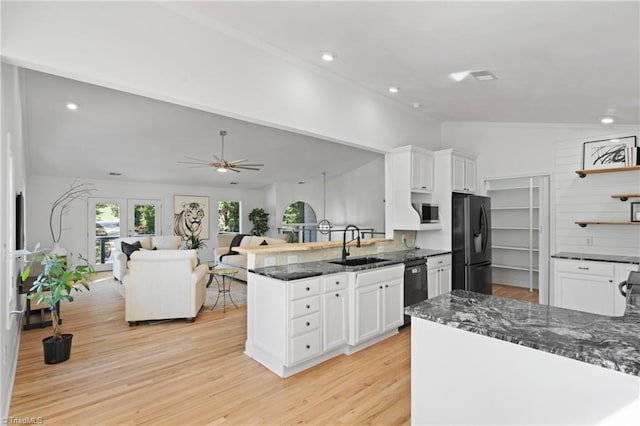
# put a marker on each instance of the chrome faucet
(345, 251)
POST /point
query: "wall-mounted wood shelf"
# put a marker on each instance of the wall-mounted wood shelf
(625, 197)
(583, 224)
(583, 173)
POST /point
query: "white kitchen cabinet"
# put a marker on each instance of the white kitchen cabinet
(421, 172)
(590, 286)
(463, 173)
(438, 275)
(293, 325)
(334, 311)
(378, 303)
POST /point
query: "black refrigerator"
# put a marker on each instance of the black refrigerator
(471, 242)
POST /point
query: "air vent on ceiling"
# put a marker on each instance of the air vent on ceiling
(483, 75)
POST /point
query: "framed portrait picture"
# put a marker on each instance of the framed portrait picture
(607, 153)
(191, 216)
(635, 212)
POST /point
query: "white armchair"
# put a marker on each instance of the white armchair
(164, 284)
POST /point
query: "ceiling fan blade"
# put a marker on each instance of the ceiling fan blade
(245, 168)
(218, 159)
(233, 169)
(202, 163)
(196, 159)
(207, 166)
(248, 165)
(238, 161)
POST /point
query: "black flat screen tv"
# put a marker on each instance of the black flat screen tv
(19, 221)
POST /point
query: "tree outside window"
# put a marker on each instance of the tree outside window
(228, 216)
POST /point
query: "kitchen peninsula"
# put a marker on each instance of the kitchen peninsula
(511, 362)
(301, 314)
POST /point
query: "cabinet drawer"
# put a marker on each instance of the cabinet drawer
(438, 261)
(305, 306)
(334, 282)
(590, 268)
(304, 288)
(304, 347)
(305, 324)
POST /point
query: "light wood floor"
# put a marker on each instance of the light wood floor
(513, 292)
(191, 374)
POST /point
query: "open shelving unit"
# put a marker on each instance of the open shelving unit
(625, 197)
(583, 224)
(584, 173)
(515, 230)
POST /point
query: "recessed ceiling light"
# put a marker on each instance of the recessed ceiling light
(72, 106)
(115, 174)
(416, 104)
(328, 56)
(459, 76)
(607, 120)
(483, 75)
(393, 89)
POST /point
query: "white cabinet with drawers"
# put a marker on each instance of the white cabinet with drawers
(438, 275)
(293, 325)
(590, 286)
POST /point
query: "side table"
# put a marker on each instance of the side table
(29, 325)
(222, 287)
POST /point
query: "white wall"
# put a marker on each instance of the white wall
(517, 149)
(355, 197)
(12, 181)
(148, 49)
(45, 189)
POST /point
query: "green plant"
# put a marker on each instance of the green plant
(260, 220)
(193, 242)
(55, 283)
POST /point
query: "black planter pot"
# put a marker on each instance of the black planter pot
(56, 351)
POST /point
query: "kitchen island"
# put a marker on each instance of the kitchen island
(480, 359)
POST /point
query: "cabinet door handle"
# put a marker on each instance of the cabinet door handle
(308, 306)
(583, 268)
(308, 347)
(337, 282)
(308, 289)
(440, 261)
(386, 285)
(610, 281)
(337, 295)
(308, 323)
(380, 287)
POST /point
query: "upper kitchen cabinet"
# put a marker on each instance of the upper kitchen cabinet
(463, 173)
(421, 170)
(409, 180)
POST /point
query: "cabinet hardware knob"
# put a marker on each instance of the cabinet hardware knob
(337, 282)
(308, 289)
(308, 323)
(386, 285)
(380, 287)
(439, 261)
(610, 281)
(337, 295)
(308, 347)
(583, 268)
(308, 306)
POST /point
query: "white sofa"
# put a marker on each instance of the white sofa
(119, 259)
(239, 261)
(164, 284)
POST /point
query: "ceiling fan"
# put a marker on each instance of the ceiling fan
(221, 164)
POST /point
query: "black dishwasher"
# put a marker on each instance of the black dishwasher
(415, 283)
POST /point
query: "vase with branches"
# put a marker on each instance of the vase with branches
(60, 206)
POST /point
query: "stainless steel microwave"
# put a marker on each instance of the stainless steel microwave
(429, 213)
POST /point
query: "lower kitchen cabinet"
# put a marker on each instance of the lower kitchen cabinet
(293, 325)
(438, 275)
(590, 286)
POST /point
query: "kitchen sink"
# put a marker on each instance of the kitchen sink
(358, 261)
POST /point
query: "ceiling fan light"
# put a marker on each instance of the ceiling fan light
(222, 169)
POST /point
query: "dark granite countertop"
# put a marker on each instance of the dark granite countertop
(597, 257)
(296, 271)
(610, 342)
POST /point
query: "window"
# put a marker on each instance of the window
(302, 223)
(228, 216)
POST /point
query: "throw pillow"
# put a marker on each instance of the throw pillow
(235, 243)
(130, 248)
(264, 243)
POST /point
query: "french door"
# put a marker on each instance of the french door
(111, 218)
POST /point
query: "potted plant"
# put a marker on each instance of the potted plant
(54, 284)
(260, 220)
(193, 242)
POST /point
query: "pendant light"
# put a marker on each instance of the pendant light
(324, 226)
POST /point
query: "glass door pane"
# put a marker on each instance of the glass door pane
(105, 226)
(144, 217)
